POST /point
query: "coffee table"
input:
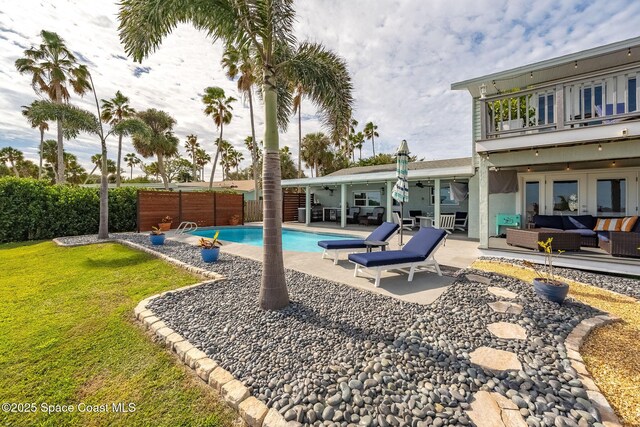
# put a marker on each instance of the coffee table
(376, 244)
(530, 238)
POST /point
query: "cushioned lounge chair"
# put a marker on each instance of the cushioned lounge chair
(416, 255)
(383, 233)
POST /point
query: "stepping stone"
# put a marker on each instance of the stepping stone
(494, 410)
(479, 279)
(495, 361)
(501, 292)
(506, 330)
(506, 307)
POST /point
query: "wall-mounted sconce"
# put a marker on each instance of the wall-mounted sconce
(483, 91)
(625, 132)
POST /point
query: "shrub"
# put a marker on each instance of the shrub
(33, 210)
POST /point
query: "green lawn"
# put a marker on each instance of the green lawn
(67, 336)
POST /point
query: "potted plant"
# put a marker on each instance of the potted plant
(547, 284)
(157, 236)
(210, 248)
(234, 220)
(165, 224)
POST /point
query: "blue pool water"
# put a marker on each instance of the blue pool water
(292, 240)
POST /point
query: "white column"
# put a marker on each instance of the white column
(389, 209)
(436, 203)
(307, 206)
(343, 205)
(483, 203)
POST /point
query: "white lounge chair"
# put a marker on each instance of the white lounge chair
(406, 223)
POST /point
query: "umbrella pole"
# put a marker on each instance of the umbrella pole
(401, 221)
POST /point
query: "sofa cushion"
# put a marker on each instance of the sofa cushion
(573, 222)
(548, 221)
(603, 235)
(628, 223)
(582, 232)
(608, 224)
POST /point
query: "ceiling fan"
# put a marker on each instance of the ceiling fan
(419, 184)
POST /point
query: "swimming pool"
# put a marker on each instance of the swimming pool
(292, 240)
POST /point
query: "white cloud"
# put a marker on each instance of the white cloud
(403, 56)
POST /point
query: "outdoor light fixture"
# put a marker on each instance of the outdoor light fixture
(568, 168)
(629, 52)
(575, 65)
(537, 154)
(531, 75)
(599, 147)
(528, 168)
(483, 91)
(614, 163)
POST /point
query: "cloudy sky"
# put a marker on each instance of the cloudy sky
(403, 56)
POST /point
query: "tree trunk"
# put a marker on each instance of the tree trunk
(215, 160)
(60, 156)
(118, 161)
(373, 145)
(40, 150)
(194, 177)
(360, 155)
(161, 171)
(131, 177)
(103, 229)
(273, 288)
(15, 169)
(254, 149)
(300, 138)
(91, 173)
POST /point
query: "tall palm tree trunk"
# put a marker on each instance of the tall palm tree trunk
(360, 155)
(273, 288)
(118, 161)
(373, 145)
(60, 146)
(300, 138)
(254, 149)
(161, 171)
(103, 228)
(131, 176)
(90, 173)
(41, 148)
(15, 169)
(194, 177)
(215, 160)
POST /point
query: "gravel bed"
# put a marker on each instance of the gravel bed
(622, 285)
(87, 239)
(343, 356)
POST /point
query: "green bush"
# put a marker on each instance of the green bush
(33, 210)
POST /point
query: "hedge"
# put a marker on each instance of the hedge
(35, 210)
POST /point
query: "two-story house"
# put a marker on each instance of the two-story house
(566, 130)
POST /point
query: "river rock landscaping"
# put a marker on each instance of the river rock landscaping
(342, 356)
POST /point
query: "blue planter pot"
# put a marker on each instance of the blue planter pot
(157, 239)
(555, 293)
(210, 255)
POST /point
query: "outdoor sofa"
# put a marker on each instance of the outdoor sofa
(621, 243)
(374, 218)
(333, 247)
(582, 225)
(417, 255)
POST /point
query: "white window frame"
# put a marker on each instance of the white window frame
(367, 199)
(447, 200)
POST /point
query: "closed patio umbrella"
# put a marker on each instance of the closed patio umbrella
(401, 188)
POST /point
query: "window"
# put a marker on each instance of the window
(565, 197)
(632, 95)
(611, 197)
(367, 198)
(532, 199)
(445, 196)
(545, 109)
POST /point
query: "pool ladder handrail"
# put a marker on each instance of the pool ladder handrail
(185, 227)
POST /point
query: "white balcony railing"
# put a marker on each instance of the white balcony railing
(597, 101)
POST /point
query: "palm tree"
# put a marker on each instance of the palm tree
(255, 160)
(160, 142)
(370, 133)
(13, 156)
(297, 108)
(202, 158)
(238, 60)
(192, 145)
(96, 159)
(53, 67)
(218, 106)
(114, 111)
(236, 158)
(42, 126)
(266, 27)
(224, 148)
(131, 160)
(314, 150)
(358, 142)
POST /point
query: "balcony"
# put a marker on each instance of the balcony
(599, 107)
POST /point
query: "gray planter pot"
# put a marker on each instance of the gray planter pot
(556, 293)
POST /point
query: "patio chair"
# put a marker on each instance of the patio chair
(352, 215)
(381, 234)
(374, 218)
(447, 222)
(417, 255)
(407, 223)
(460, 222)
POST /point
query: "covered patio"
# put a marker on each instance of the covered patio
(350, 196)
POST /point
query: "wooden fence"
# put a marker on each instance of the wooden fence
(204, 208)
(290, 204)
(252, 210)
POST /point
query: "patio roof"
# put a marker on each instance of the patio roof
(461, 167)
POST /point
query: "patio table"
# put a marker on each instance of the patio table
(425, 221)
(529, 238)
(376, 244)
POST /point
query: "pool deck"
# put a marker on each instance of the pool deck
(425, 288)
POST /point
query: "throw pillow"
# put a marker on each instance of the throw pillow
(608, 224)
(628, 223)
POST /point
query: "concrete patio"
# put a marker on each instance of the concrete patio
(426, 287)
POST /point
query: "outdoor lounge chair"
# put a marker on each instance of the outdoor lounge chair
(407, 223)
(416, 255)
(374, 218)
(381, 234)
